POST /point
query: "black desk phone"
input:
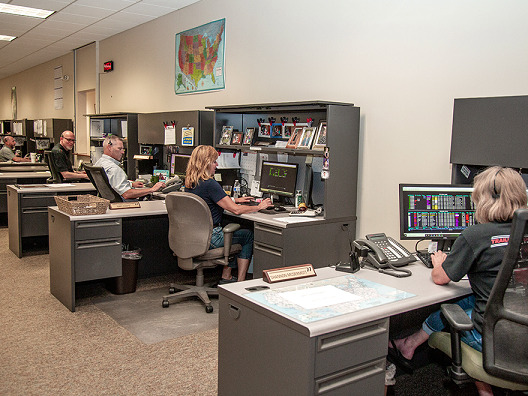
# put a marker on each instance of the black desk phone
(385, 251)
(384, 254)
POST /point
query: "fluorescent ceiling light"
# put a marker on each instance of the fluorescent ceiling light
(25, 11)
(7, 38)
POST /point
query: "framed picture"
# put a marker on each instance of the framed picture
(265, 130)
(295, 138)
(307, 137)
(227, 133)
(287, 130)
(320, 138)
(248, 136)
(276, 130)
(237, 138)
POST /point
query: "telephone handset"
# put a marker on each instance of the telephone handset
(171, 185)
(386, 254)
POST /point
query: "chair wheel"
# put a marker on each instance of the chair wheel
(165, 303)
(172, 290)
(208, 308)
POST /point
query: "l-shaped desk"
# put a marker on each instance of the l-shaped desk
(84, 248)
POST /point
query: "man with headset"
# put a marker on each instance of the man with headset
(113, 150)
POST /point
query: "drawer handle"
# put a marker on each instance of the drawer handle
(344, 378)
(338, 340)
(36, 210)
(267, 249)
(234, 312)
(90, 224)
(96, 244)
(37, 196)
(265, 228)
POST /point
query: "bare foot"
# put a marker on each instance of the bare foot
(407, 346)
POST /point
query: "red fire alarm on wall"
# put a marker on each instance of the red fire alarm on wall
(108, 66)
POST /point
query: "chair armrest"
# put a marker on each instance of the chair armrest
(456, 317)
(228, 238)
(230, 228)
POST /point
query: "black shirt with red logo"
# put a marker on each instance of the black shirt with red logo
(478, 252)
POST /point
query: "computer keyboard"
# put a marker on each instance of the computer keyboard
(425, 257)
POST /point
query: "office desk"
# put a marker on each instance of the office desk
(23, 166)
(28, 209)
(281, 240)
(84, 248)
(7, 178)
(343, 355)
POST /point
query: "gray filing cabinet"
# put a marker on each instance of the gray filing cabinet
(82, 250)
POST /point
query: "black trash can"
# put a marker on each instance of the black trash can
(126, 283)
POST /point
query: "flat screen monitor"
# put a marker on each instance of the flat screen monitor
(278, 178)
(179, 164)
(435, 211)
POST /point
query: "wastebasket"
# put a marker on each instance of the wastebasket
(126, 283)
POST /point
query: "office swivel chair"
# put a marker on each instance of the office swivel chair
(504, 359)
(190, 229)
(56, 176)
(98, 177)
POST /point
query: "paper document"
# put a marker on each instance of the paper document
(318, 297)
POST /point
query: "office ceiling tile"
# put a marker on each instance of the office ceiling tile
(74, 24)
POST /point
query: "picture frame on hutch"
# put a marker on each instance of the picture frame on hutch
(295, 138)
(320, 138)
(248, 136)
(307, 137)
(227, 133)
(237, 138)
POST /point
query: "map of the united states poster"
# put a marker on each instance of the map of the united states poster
(200, 58)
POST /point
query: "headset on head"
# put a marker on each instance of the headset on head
(495, 194)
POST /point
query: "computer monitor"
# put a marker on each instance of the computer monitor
(178, 164)
(439, 212)
(278, 178)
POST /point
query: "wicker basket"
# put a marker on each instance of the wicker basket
(77, 205)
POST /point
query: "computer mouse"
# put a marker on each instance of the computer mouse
(278, 209)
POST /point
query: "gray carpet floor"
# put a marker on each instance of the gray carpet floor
(47, 350)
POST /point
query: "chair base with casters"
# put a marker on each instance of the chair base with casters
(211, 258)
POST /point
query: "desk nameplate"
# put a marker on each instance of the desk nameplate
(288, 273)
(124, 205)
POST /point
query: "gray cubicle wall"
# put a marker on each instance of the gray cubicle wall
(488, 131)
(151, 129)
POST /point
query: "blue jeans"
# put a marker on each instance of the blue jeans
(243, 237)
(435, 322)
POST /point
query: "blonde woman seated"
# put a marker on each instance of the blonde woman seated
(199, 180)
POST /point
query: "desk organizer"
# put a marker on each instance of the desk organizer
(77, 205)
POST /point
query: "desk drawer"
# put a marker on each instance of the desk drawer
(34, 222)
(269, 235)
(350, 347)
(266, 257)
(365, 378)
(37, 200)
(97, 259)
(97, 229)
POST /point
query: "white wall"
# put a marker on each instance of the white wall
(35, 91)
(403, 62)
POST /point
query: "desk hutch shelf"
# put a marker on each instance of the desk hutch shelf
(320, 242)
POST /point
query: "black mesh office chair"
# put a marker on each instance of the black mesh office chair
(190, 230)
(56, 176)
(504, 359)
(97, 176)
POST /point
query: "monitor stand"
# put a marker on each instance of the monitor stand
(443, 244)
